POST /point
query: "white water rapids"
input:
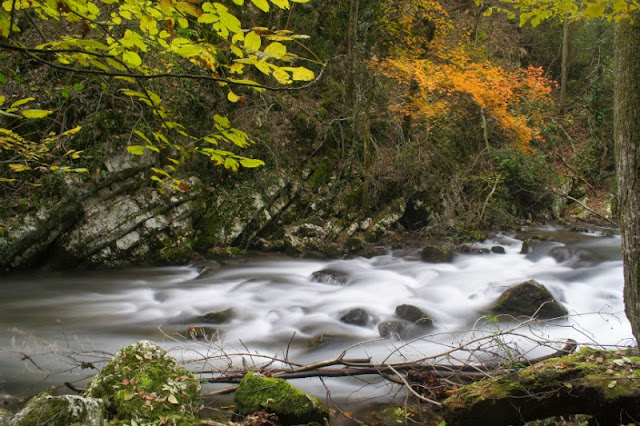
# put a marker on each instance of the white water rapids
(279, 308)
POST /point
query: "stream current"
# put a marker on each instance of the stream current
(279, 308)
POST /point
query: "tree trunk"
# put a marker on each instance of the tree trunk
(627, 142)
(564, 77)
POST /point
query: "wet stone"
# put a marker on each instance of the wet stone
(357, 316)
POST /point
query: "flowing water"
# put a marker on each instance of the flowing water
(279, 308)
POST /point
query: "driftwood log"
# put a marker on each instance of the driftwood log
(603, 384)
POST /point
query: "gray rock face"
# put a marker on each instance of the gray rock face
(330, 276)
(108, 223)
(528, 299)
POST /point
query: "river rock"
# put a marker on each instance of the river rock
(330, 276)
(392, 328)
(498, 250)
(219, 317)
(466, 249)
(292, 406)
(436, 253)
(357, 316)
(144, 383)
(45, 409)
(526, 298)
(414, 315)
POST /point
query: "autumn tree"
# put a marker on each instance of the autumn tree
(135, 43)
(441, 72)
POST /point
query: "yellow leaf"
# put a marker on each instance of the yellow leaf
(148, 24)
(251, 163)
(21, 102)
(208, 18)
(230, 163)
(252, 41)
(232, 97)
(277, 50)
(282, 4)
(19, 167)
(136, 149)
(2, 99)
(595, 11)
(261, 4)
(35, 113)
(131, 58)
(172, 399)
(282, 76)
(301, 74)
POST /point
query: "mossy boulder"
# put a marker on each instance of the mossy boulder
(292, 406)
(436, 253)
(528, 299)
(64, 410)
(595, 382)
(219, 317)
(414, 315)
(392, 328)
(356, 316)
(144, 382)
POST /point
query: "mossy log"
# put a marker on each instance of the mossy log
(603, 384)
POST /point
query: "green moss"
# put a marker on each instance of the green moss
(291, 405)
(321, 174)
(143, 381)
(60, 411)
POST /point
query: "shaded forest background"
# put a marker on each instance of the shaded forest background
(359, 140)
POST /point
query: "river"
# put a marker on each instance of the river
(278, 307)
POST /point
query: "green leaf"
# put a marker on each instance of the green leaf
(128, 395)
(35, 113)
(2, 99)
(136, 149)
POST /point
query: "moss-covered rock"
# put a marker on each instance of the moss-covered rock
(356, 316)
(219, 317)
(414, 315)
(528, 299)
(45, 409)
(392, 328)
(292, 406)
(437, 253)
(594, 382)
(144, 382)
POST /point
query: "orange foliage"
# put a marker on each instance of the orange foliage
(439, 75)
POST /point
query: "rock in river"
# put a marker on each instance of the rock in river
(528, 299)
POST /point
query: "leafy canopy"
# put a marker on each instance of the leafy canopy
(136, 42)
